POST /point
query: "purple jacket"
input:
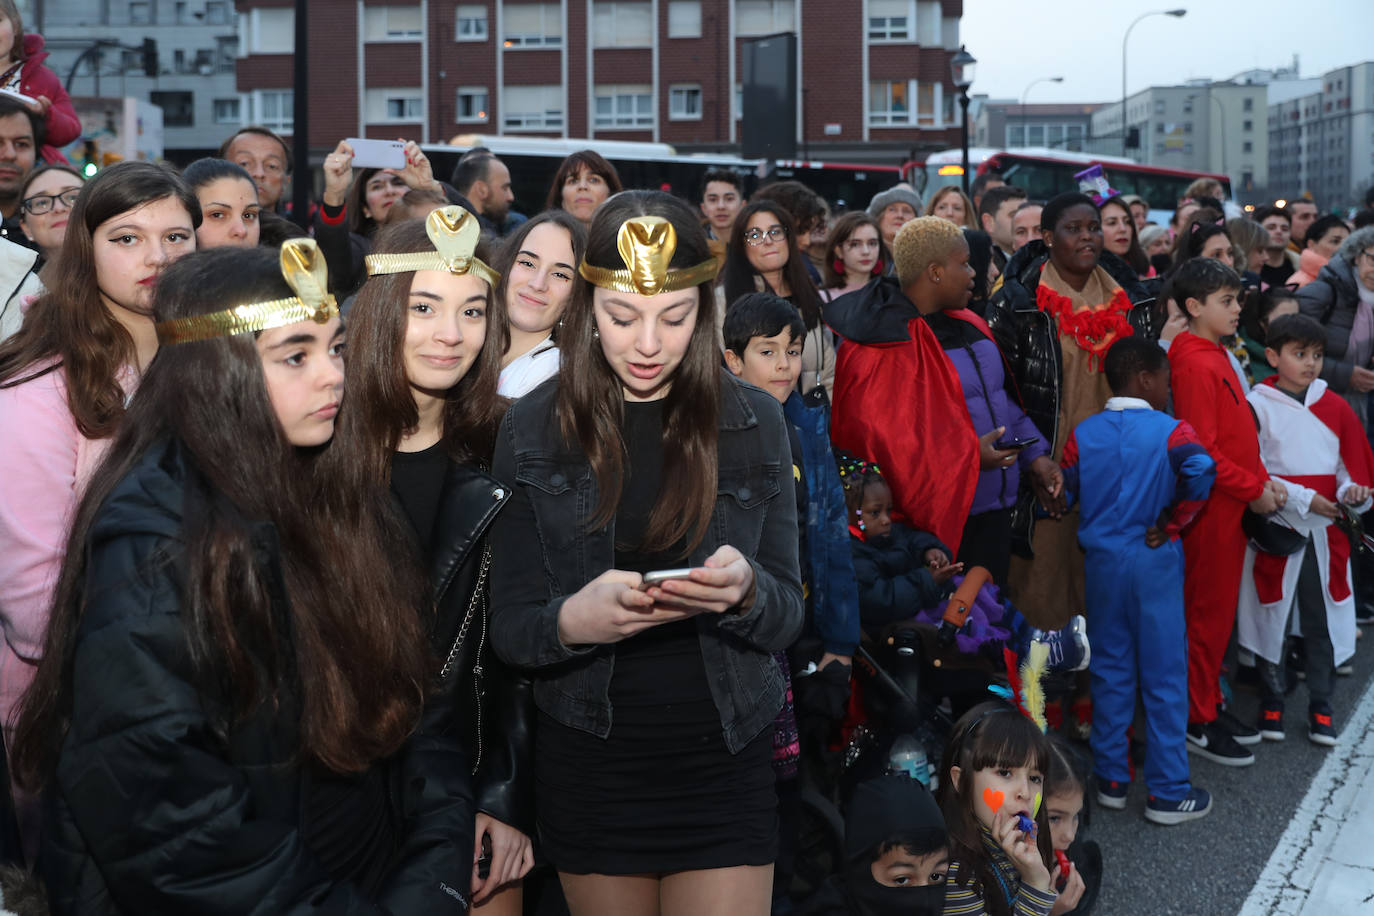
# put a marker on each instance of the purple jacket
(991, 404)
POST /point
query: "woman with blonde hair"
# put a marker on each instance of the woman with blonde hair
(953, 204)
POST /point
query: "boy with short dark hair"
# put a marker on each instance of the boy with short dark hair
(1207, 395)
(1140, 477)
(1313, 443)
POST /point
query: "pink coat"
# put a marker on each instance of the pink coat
(62, 126)
(46, 463)
(1309, 265)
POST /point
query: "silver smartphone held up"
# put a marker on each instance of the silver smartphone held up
(659, 576)
(377, 154)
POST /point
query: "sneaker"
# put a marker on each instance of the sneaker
(1345, 670)
(1212, 741)
(1319, 727)
(1364, 612)
(1069, 649)
(1271, 720)
(1197, 803)
(1112, 794)
(1238, 730)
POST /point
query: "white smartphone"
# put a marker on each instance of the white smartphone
(659, 576)
(377, 154)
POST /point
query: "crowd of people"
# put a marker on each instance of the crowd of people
(448, 557)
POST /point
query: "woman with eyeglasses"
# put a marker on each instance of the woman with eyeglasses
(47, 198)
(763, 257)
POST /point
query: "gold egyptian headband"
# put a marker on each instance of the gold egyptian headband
(302, 265)
(454, 233)
(647, 245)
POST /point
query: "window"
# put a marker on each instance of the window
(622, 25)
(1247, 147)
(1187, 127)
(1035, 135)
(274, 109)
(889, 20)
(1159, 106)
(179, 12)
(684, 19)
(472, 23)
(403, 105)
(178, 110)
(533, 25)
(226, 111)
(1074, 135)
(271, 30)
(216, 12)
(890, 104)
(738, 110)
(1016, 135)
(684, 103)
(928, 22)
(392, 23)
(532, 107)
(624, 107)
(764, 17)
(472, 105)
(226, 49)
(1247, 125)
(140, 13)
(1188, 105)
(1247, 105)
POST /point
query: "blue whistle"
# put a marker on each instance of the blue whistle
(1025, 824)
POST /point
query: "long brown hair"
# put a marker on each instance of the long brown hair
(840, 231)
(350, 646)
(69, 325)
(591, 400)
(993, 734)
(504, 258)
(587, 159)
(379, 407)
(738, 275)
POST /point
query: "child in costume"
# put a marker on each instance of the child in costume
(992, 780)
(1313, 443)
(1207, 395)
(1140, 477)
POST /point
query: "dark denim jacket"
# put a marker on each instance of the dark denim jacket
(542, 552)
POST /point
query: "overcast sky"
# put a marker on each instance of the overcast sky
(1016, 41)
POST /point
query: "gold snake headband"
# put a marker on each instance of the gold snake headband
(454, 233)
(647, 245)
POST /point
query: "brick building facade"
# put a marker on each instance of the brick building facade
(874, 74)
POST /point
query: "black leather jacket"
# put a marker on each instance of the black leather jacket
(1029, 338)
(542, 552)
(493, 706)
(158, 805)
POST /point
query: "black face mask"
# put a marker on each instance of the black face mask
(869, 898)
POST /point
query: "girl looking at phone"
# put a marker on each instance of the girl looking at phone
(653, 783)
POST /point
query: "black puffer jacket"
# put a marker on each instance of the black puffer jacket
(1029, 338)
(159, 806)
(493, 706)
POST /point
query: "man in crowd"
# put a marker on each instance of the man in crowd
(267, 158)
(996, 211)
(722, 195)
(1025, 223)
(485, 180)
(1301, 214)
(20, 135)
(1279, 261)
(982, 184)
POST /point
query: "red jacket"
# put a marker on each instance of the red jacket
(1207, 394)
(62, 124)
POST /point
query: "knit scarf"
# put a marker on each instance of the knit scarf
(1095, 317)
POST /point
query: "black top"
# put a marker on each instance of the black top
(663, 664)
(1276, 276)
(417, 479)
(351, 826)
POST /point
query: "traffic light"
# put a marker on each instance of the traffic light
(149, 57)
(90, 158)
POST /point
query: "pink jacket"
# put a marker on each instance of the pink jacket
(46, 463)
(1309, 265)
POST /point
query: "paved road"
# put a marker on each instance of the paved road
(1209, 867)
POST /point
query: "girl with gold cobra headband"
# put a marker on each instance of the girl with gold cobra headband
(228, 715)
(426, 334)
(654, 790)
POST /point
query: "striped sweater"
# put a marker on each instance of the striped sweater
(967, 899)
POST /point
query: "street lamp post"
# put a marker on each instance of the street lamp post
(961, 67)
(1025, 138)
(1176, 14)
